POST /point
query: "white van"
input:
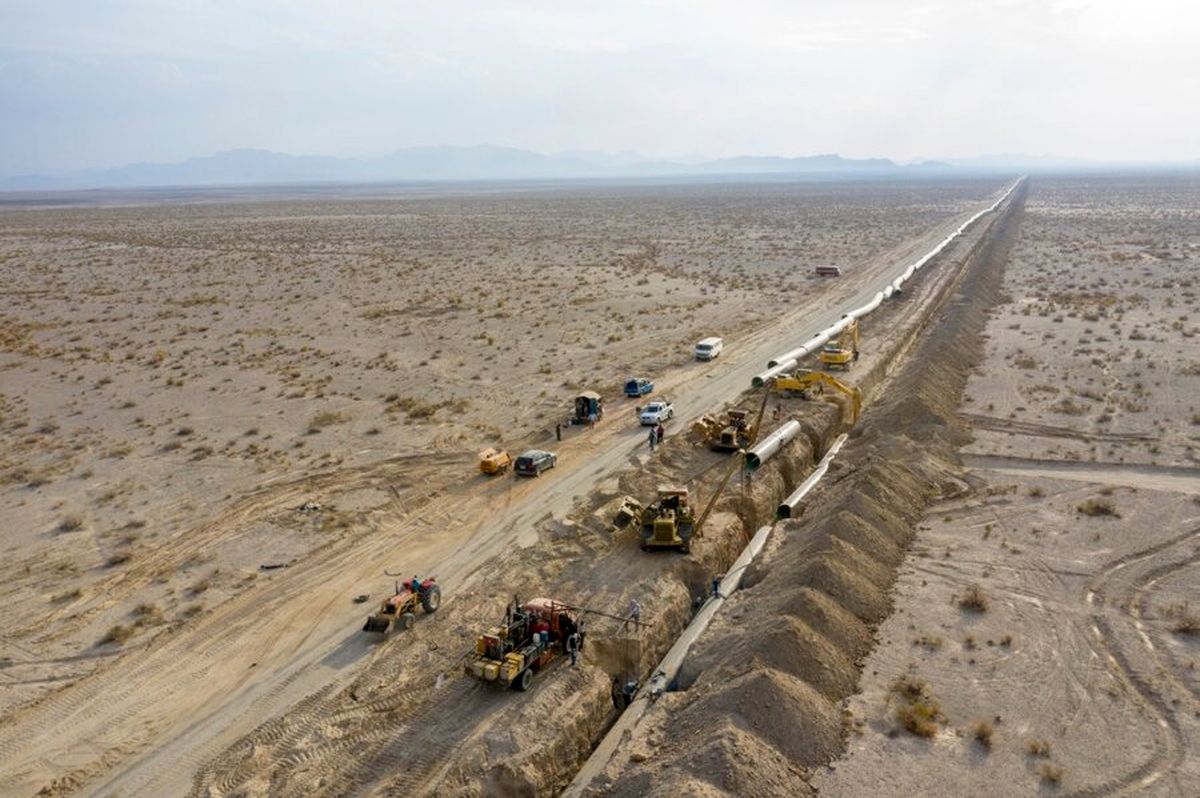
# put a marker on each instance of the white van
(709, 348)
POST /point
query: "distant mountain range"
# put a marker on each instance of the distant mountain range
(263, 167)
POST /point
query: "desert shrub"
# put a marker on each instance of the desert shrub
(1184, 621)
(324, 419)
(1037, 748)
(918, 713)
(120, 558)
(982, 731)
(1098, 507)
(1050, 774)
(118, 633)
(71, 523)
(973, 600)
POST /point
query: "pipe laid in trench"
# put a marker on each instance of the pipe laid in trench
(668, 669)
(762, 451)
(787, 508)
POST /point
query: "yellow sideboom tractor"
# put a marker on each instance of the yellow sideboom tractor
(533, 635)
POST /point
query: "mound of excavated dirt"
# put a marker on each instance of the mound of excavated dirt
(781, 643)
(722, 734)
(779, 663)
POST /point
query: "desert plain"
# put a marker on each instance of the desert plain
(224, 417)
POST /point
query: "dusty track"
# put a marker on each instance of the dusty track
(145, 724)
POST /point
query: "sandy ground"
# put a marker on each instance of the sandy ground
(179, 379)
(1045, 625)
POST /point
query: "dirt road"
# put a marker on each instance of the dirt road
(142, 725)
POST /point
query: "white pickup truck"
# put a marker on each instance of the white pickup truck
(656, 413)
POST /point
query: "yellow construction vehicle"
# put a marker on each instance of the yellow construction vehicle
(804, 382)
(842, 352)
(729, 432)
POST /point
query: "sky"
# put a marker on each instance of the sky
(94, 83)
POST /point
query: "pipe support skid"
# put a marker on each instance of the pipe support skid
(762, 451)
(790, 360)
(788, 508)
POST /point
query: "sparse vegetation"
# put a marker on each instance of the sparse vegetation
(118, 633)
(1098, 507)
(917, 712)
(983, 731)
(973, 600)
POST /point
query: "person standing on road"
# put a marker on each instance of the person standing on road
(659, 431)
(558, 431)
(592, 420)
(653, 438)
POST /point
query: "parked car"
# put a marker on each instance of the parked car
(638, 386)
(534, 462)
(656, 413)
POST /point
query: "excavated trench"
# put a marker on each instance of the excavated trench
(814, 597)
(760, 696)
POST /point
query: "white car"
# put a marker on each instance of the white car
(656, 413)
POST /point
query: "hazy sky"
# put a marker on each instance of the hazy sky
(105, 82)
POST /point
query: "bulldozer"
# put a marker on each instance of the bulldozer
(532, 636)
(400, 609)
(666, 524)
(804, 382)
(733, 431)
(844, 351)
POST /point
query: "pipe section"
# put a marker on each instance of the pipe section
(788, 508)
(790, 360)
(762, 451)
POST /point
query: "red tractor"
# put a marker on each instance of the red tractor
(400, 610)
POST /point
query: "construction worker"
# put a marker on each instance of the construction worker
(573, 647)
(635, 614)
(716, 586)
(653, 438)
(558, 431)
(659, 431)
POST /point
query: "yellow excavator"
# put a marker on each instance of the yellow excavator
(844, 351)
(805, 382)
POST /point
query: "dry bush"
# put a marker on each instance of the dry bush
(71, 523)
(982, 731)
(325, 419)
(1098, 507)
(918, 713)
(118, 633)
(1184, 621)
(1037, 492)
(66, 595)
(1050, 774)
(1037, 748)
(973, 600)
(119, 558)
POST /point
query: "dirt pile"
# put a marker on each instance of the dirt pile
(826, 582)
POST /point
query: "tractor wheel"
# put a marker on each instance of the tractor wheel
(524, 681)
(407, 620)
(432, 599)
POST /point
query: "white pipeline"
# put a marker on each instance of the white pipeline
(790, 360)
(788, 507)
(762, 451)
